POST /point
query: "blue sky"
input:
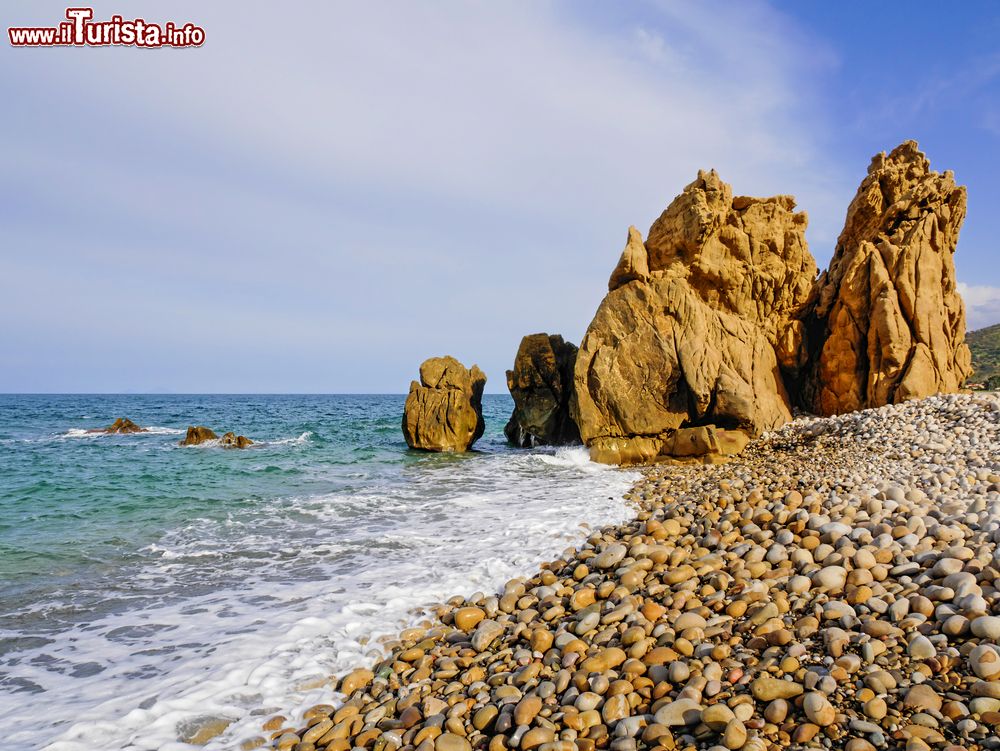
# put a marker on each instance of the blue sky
(318, 202)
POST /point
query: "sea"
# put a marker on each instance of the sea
(148, 590)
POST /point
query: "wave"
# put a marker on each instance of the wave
(259, 608)
(298, 441)
(97, 432)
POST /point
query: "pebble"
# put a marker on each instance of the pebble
(920, 648)
(486, 633)
(451, 742)
(922, 697)
(679, 712)
(767, 689)
(818, 709)
(986, 627)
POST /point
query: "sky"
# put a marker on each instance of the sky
(317, 201)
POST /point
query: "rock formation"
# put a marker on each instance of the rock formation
(197, 435)
(541, 384)
(232, 441)
(444, 410)
(887, 323)
(200, 434)
(685, 354)
(122, 425)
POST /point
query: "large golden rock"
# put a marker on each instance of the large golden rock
(888, 323)
(541, 384)
(444, 410)
(696, 329)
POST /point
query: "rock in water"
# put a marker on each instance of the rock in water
(685, 354)
(541, 384)
(198, 434)
(232, 441)
(887, 323)
(444, 411)
(122, 425)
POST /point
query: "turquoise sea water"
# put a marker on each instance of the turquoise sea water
(145, 587)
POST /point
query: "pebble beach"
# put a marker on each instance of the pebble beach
(837, 585)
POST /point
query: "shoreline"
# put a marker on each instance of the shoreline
(755, 604)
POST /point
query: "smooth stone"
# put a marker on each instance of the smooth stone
(679, 712)
(986, 627)
(451, 742)
(735, 734)
(831, 578)
(717, 716)
(985, 662)
(611, 556)
(818, 709)
(485, 634)
(767, 688)
(526, 710)
(920, 648)
(876, 708)
(923, 697)
(468, 618)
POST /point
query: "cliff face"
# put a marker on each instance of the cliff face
(887, 323)
(697, 325)
(717, 324)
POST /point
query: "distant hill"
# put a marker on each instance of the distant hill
(985, 346)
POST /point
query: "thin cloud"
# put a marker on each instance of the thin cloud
(982, 304)
(431, 172)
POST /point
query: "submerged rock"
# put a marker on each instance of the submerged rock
(122, 425)
(697, 326)
(200, 730)
(541, 384)
(887, 323)
(444, 410)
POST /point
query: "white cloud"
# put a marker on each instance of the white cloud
(982, 304)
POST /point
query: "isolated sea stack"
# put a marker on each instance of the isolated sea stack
(541, 384)
(444, 410)
(685, 354)
(888, 323)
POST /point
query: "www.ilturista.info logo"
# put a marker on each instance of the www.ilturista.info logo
(80, 30)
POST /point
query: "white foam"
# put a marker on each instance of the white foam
(157, 430)
(98, 432)
(299, 608)
(299, 440)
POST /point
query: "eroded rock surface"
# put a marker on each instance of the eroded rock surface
(888, 323)
(444, 410)
(232, 441)
(121, 426)
(197, 434)
(697, 327)
(541, 384)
